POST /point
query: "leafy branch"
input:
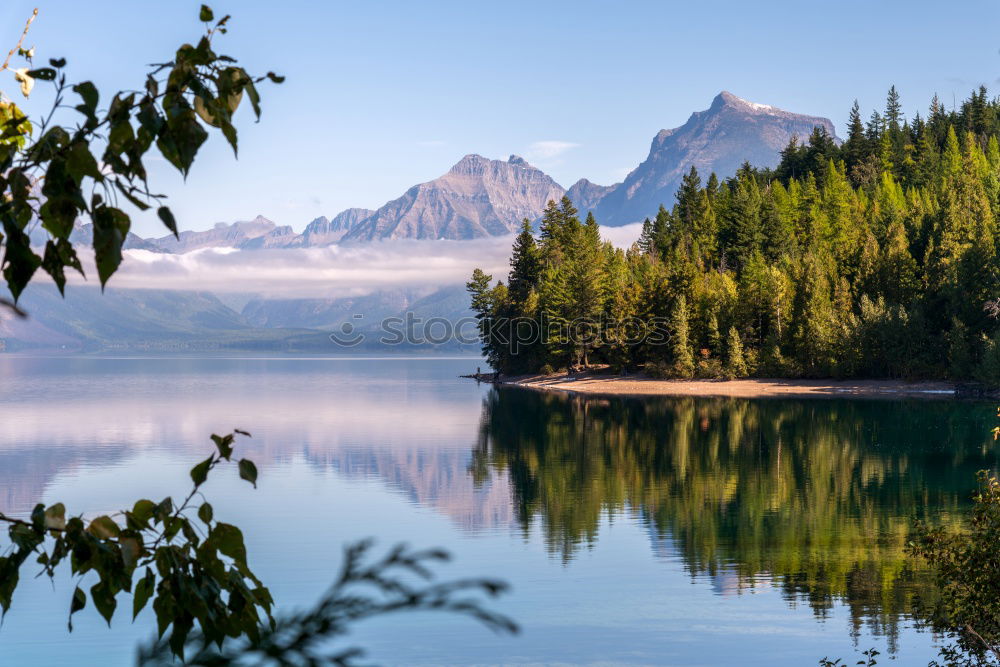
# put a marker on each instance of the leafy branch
(56, 178)
(193, 568)
(195, 571)
(20, 42)
(361, 591)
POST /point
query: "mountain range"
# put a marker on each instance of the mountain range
(480, 197)
(476, 198)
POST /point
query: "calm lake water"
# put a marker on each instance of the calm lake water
(634, 531)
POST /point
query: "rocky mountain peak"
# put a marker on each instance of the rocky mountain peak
(477, 197)
(727, 99)
(721, 138)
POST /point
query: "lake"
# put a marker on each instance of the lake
(633, 531)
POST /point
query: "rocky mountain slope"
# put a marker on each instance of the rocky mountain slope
(730, 132)
(481, 197)
(477, 197)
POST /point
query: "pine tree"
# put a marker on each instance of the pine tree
(855, 149)
(742, 219)
(525, 266)
(714, 337)
(646, 242)
(893, 110)
(484, 301)
(736, 365)
(586, 276)
(812, 320)
(683, 362)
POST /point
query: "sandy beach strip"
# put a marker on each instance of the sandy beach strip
(636, 385)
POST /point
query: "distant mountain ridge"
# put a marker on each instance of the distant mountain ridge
(480, 197)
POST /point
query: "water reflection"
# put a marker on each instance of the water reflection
(808, 499)
(813, 497)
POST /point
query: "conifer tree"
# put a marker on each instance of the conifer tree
(525, 265)
(680, 345)
(714, 337)
(893, 110)
(855, 149)
(736, 365)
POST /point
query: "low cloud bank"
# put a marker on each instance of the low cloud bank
(330, 272)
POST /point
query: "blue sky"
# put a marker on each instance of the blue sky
(382, 95)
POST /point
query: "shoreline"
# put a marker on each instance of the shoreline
(638, 385)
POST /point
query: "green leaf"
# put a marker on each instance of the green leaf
(78, 602)
(205, 513)
(224, 444)
(58, 255)
(165, 609)
(143, 591)
(110, 231)
(120, 137)
(206, 14)
(172, 526)
(135, 201)
(142, 512)
(167, 218)
(58, 63)
(181, 138)
(199, 473)
(131, 548)
(80, 162)
(89, 96)
(19, 262)
(248, 471)
(275, 78)
(104, 600)
(55, 517)
(9, 577)
(43, 74)
(103, 527)
(229, 540)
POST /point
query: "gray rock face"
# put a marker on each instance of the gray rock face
(222, 235)
(730, 132)
(323, 232)
(478, 197)
(586, 195)
(279, 237)
(84, 235)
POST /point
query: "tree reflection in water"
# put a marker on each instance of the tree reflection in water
(815, 497)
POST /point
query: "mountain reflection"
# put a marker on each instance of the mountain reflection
(812, 497)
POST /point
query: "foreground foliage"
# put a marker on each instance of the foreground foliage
(390, 584)
(193, 567)
(877, 257)
(967, 567)
(52, 174)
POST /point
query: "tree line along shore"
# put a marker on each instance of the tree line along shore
(876, 258)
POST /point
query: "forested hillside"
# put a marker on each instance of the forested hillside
(874, 258)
